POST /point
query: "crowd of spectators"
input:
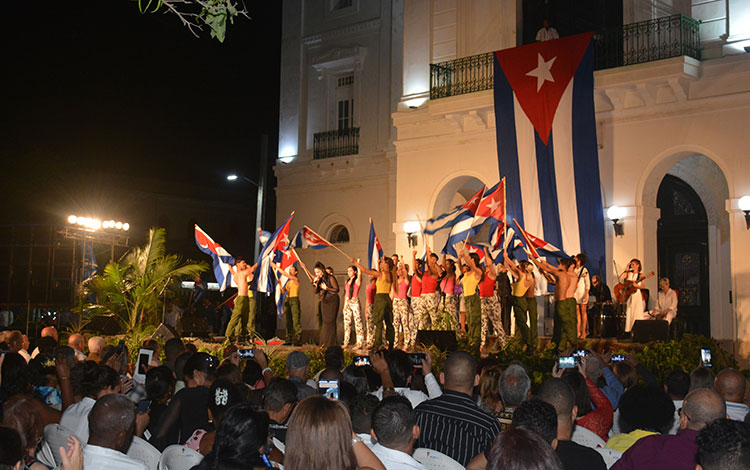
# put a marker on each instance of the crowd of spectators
(387, 414)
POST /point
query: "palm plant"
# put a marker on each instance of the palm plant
(130, 289)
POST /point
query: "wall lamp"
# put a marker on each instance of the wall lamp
(744, 205)
(411, 228)
(615, 213)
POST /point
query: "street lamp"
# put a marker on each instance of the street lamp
(744, 205)
(615, 213)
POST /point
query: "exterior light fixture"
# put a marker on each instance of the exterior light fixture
(232, 177)
(744, 205)
(93, 224)
(411, 228)
(615, 213)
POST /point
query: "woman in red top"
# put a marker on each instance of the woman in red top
(352, 309)
(401, 316)
(489, 303)
(597, 419)
(416, 309)
(430, 295)
(448, 288)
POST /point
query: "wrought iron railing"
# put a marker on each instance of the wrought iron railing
(336, 143)
(635, 43)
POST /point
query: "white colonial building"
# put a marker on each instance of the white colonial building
(369, 128)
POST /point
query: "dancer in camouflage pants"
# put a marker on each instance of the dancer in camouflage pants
(352, 311)
(491, 313)
(402, 321)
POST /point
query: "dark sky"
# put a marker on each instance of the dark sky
(93, 93)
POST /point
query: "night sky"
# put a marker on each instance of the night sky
(96, 94)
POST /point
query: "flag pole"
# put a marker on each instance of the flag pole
(304, 268)
(505, 212)
(329, 243)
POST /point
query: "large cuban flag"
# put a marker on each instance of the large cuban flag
(546, 143)
(221, 258)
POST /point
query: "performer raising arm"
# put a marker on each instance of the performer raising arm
(490, 303)
(564, 329)
(416, 320)
(352, 307)
(382, 309)
(430, 296)
(243, 313)
(291, 304)
(523, 307)
(469, 282)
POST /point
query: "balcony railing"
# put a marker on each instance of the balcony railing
(336, 143)
(635, 43)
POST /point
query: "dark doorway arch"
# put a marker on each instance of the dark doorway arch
(682, 239)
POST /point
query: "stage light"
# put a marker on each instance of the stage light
(72, 219)
(744, 205)
(96, 224)
(232, 177)
(118, 225)
(126, 226)
(615, 213)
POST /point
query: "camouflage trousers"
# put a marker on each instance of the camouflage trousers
(415, 319)
(450, 304)
(352, 312)
(402, 321)
(491, 314)
(430, 314)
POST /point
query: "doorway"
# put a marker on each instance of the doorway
(682, 244)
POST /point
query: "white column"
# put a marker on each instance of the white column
(416, 58)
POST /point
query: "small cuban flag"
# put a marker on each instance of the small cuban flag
(222, 260)
(307, 238)
(374, 251)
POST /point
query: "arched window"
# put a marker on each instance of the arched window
(339, 234)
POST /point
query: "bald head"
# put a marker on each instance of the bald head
(460, 371)
(77, 342)
(96, 343)
(49, 332)
(112, 422)
(730, 384)
(702, 406)
(558, 393)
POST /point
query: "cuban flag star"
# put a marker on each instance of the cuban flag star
(264, 279)
(222, 260)
(289, 258)
(451, 218)
(307, 238)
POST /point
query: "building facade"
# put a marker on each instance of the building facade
(669, 130)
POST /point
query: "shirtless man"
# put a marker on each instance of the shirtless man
(565, 302)
(244, 304)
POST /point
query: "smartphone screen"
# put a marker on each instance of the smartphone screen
(246, 353)
(580, 353)
(143, 360)
(416, 359)
(706, 357)
(330, 388)
(120, 347)
(361, 361)
(143, 406)
(617, 358)
(566, 362)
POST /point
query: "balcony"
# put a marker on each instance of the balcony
(336, 143)
(635, 43)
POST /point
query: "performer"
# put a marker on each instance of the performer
(448, 287)
(430, 296)
(565, 303)
(489, 303)
(504, 296)
(369, 302)
(417, 311)
(352, 308)
(382, 309)
(522, 308)
(666, 305)
(291, 304)
(327, 289)
(582, 294)
(243, 313)
(401, 317)
(634, 309)
(600, 290)
(469, 283)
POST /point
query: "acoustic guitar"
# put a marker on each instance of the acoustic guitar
(625, 289)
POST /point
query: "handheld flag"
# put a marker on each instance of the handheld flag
(374, 250)
(264, 277)
(451, 218)
(462, 229)
(221, 258)
(538, 247)
(263, 236)
(479, 250)
(307, 238)
(492, 206)
(288, 259)
(546, 143)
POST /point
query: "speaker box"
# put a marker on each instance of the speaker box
(645, 331)
(445, 340)
(165, 332)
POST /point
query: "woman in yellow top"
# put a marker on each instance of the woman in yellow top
(382, 309)
(291, 304)
(469, 283)
(524, 302)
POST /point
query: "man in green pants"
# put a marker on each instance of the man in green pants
(243, 313)
(291, 305)
(564, 330)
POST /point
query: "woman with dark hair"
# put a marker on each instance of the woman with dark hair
(222, 396)
(317, 420)
(490, 304)
(521, 449)
(581, 293)
(597, 419)
(469, 283)
(188, 409)
(430, 296)
(327, 289)
(644, 410)
(382, 309)
(96, 382)
(352, 309)
(489, 399)
(15, 376)
(448, 288)
(417, 311)
(22, 413)
(160, 384)
(524, 302)
(634, 308)
(401, 317)
(241, 441)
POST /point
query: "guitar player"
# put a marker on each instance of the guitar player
(635, 308)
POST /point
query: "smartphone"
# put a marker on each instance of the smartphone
(617, 358)
(330, 389)
(361, 361)
(416, 359)
(566, 362)
(120, 347)
(141, 366)
(143, 406)
(581, 353)
(246, 354)
(706, 357)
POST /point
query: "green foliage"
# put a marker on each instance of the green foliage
(663, 358)
(132, 289)
(195, 14)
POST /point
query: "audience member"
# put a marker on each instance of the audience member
(47, 332)
(43, 379)
(96, 343)
(597, 368)
(97, 381)
(173, 348)
(14, 376)
(360, 411)
(241, 441)
(231, 354)
(645, 410)
(515, 387)
(395, 429)
(78, 343)
(626, 374)
(453, 423)
(252, 375)
(179, 370)
(112, 425)
(677, 386)
(702, 377)
(298, 369)
(333, 357)
(489, 399)
(724, 445)
(678, 452)
(21, 412)
(597, 418)
(357, 377)
(730, 384)
(222, 396)
(159, 390)
(538, 416)
(154, 346)
(11, 449)
(396, 366)
(521, 449)
(24, 351)
(229, 371)
(278, 400)
(14, 340)
(572, 455)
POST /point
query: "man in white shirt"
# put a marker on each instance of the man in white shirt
(395, 430)
(666, 302)
(78, 343)
(112, 424)
(547, 32)
(399, 367)
(47, 332)
(730, 384)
